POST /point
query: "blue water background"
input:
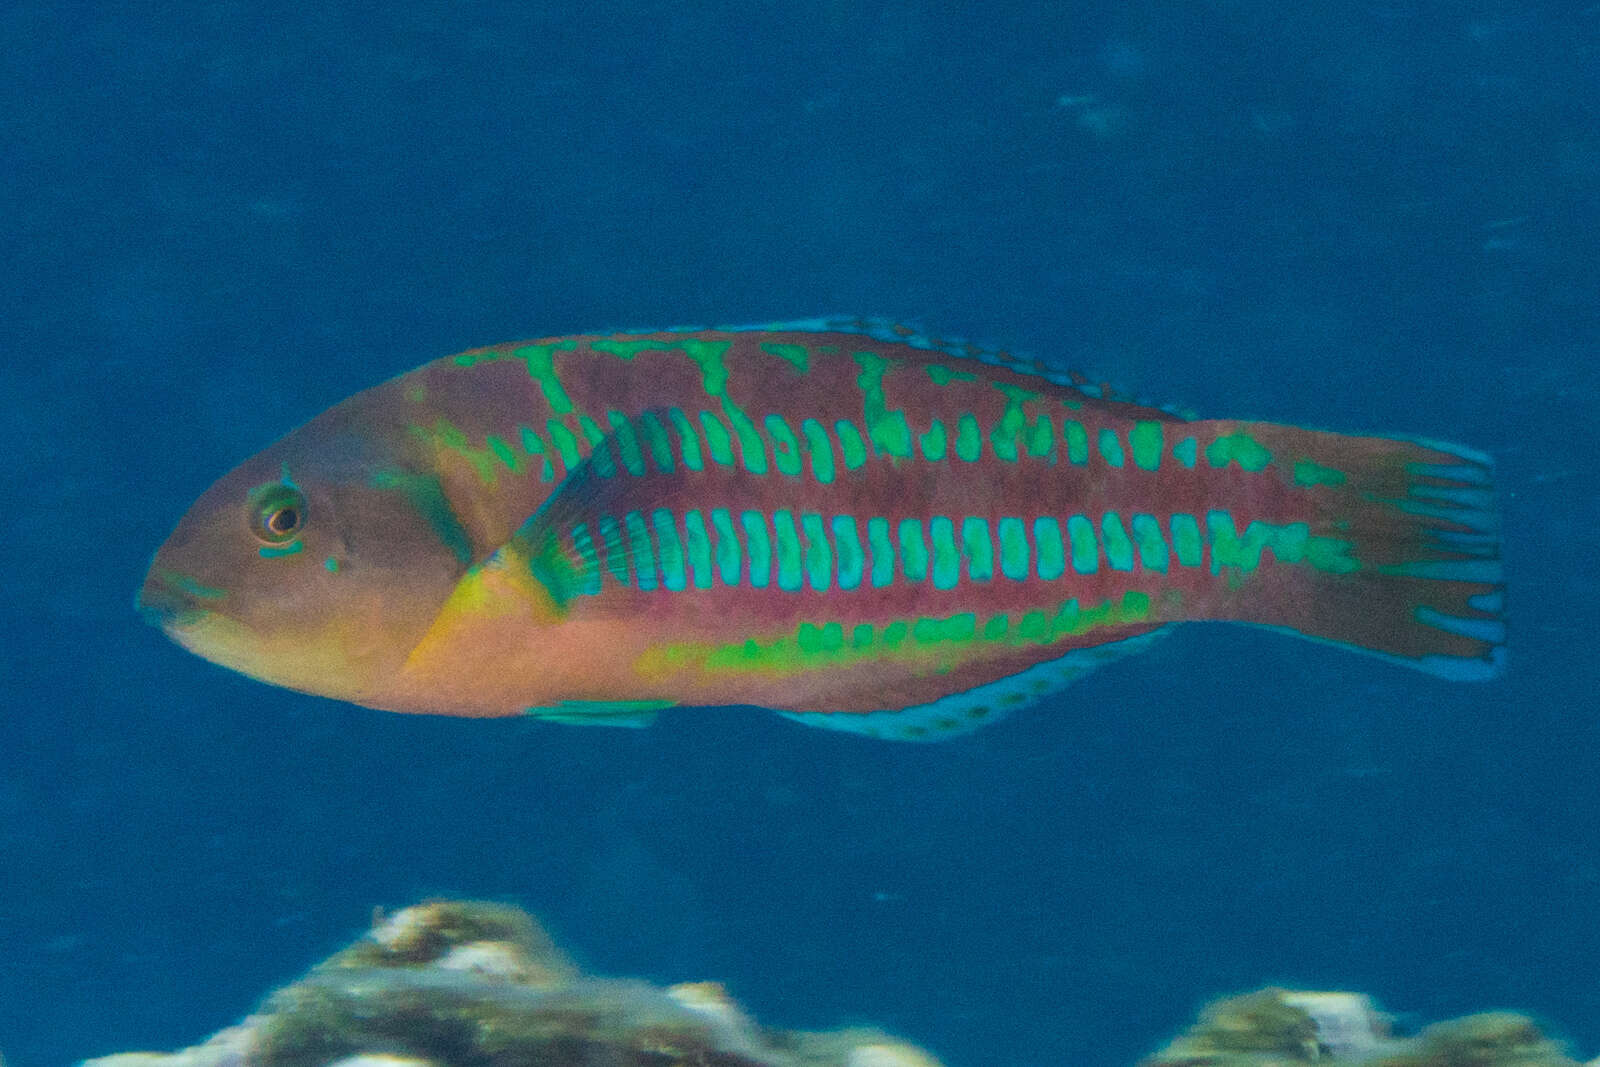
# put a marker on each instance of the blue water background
(220, 218)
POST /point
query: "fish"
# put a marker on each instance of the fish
(846, 521)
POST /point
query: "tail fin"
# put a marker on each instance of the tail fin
(1401, 552)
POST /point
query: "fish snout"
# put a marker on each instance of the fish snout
(168, 600)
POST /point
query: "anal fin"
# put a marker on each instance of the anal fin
(972, 709)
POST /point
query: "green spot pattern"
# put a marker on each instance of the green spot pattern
(786, 550)
(1240, 448)
(785, 449)
(978, 549)
(1119, 549)
(1152, 546)
(1110, 446)
(819, 555)
(847, 546)
(1051, 554)
(760, 549)
(1085, 552)
(821, 450)
(946, 557)
(1145, 441)
(1186, 539)
(1014, 562)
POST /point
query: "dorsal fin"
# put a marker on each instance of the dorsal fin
(896, 332)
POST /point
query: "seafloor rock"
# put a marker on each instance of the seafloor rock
(471, 984)
(1280, 1028)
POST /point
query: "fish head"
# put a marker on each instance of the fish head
(315, 565)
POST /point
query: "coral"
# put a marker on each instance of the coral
(474, 984)
(1279, 1028)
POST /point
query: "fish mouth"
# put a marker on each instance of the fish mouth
(172, 601)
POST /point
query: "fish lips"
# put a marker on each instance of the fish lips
(171, 601)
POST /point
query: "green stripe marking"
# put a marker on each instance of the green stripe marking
(760, 549)
(946, 557)
(1152, 546)
(627, 442)
(1145, 441)
(853, 448)
(1012, 422)
(276, 551)
(785, 449)
(1014, 549)
(969, 441)
(1047, 535)
(1119, 550)
(1289, 543)
(847, 546)
(1186, 451)
(1240, 448)
(591, 430)
(888, 430)
(1077, 441)
(502, 451)
(1042, 437)
(698, 547)
(752, 449)
(718, 442)
(540, 361)
(933, 442)
(978, 549)
(533, 445)
(940, 374)
(927, 630)
(708, 356)
(793, 354)
(656, 440)
(727, 546)
(1309, 472)
(688, 440)
(1110, 446)
(564, 442)
(786, 550)
(1085, 552)
(882, 549)
(642, 555)
(1035, 627)
(995, 629)
(819, 555)
(913, 553)
(1186, 539)
(821, 450)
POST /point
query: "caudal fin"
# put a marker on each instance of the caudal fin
(1402, 555)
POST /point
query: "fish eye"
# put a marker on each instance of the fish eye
(277, 514)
